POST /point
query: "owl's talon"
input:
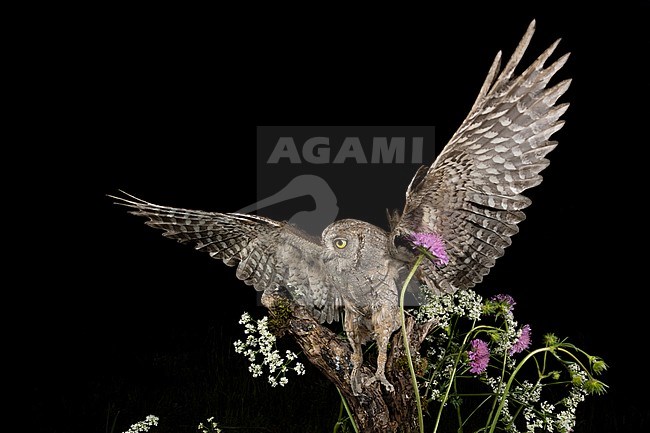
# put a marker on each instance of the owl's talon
(382, 379)
(389, 387)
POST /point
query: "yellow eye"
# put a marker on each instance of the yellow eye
(340, 243)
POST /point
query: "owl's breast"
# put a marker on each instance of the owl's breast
(370, 291)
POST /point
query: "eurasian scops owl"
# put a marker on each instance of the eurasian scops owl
(470, 198)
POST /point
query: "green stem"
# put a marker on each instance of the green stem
(575, 358)
(496, 395)
(347, 410)
(339, 421)
(485, 400)
(452, 380)
(407, 348)
(458, 414)
(495, 419)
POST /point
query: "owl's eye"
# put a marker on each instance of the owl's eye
(340, 243)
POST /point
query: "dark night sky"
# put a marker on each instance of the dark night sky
(163, 111)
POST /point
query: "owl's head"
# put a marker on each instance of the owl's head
(347, 242)
(342, 241)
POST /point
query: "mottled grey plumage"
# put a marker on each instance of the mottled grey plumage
(470, 197)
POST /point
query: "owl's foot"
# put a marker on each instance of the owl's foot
(382, 379)
(389, 387)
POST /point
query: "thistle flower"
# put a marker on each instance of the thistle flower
(479, 356)
(432, 243)
(522, 342)
(505, 300)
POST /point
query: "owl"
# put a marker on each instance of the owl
(469, 201)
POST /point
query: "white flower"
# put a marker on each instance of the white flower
(527, 392)
(470, 304)
(143, 426)
(259, 348)
(212, 426)
(256, 369)
(565, 421)
(547, 408)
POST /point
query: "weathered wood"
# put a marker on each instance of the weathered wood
(376, 410)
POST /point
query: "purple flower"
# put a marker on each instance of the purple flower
(504, 299)
(432, 243)
(522, 342)
(479, 356)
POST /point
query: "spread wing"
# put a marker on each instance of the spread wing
(472, 194)
(268, 254)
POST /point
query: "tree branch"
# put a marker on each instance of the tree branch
(374, 410)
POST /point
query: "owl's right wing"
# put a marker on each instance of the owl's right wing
(472, 194)
(268, 254)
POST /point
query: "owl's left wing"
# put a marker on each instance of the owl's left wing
(269, 254)
(471, 195)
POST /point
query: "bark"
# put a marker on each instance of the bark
(376, 410)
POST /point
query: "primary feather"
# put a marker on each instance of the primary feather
(472, 194)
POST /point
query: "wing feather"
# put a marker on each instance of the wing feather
(472, 194)
(268, 254)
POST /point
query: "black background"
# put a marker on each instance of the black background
(165, 107)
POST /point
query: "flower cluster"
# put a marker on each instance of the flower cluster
(479, 340)
(441, 308)
(565, 419)
(260, 342)
(143, 426)
(513, 339)
(522, 342)
(209, 427)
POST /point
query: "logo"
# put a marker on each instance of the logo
(317, 150)
(313, 175)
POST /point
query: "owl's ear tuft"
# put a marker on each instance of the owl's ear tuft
(393, 218)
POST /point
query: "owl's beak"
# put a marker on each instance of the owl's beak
(401, 247)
